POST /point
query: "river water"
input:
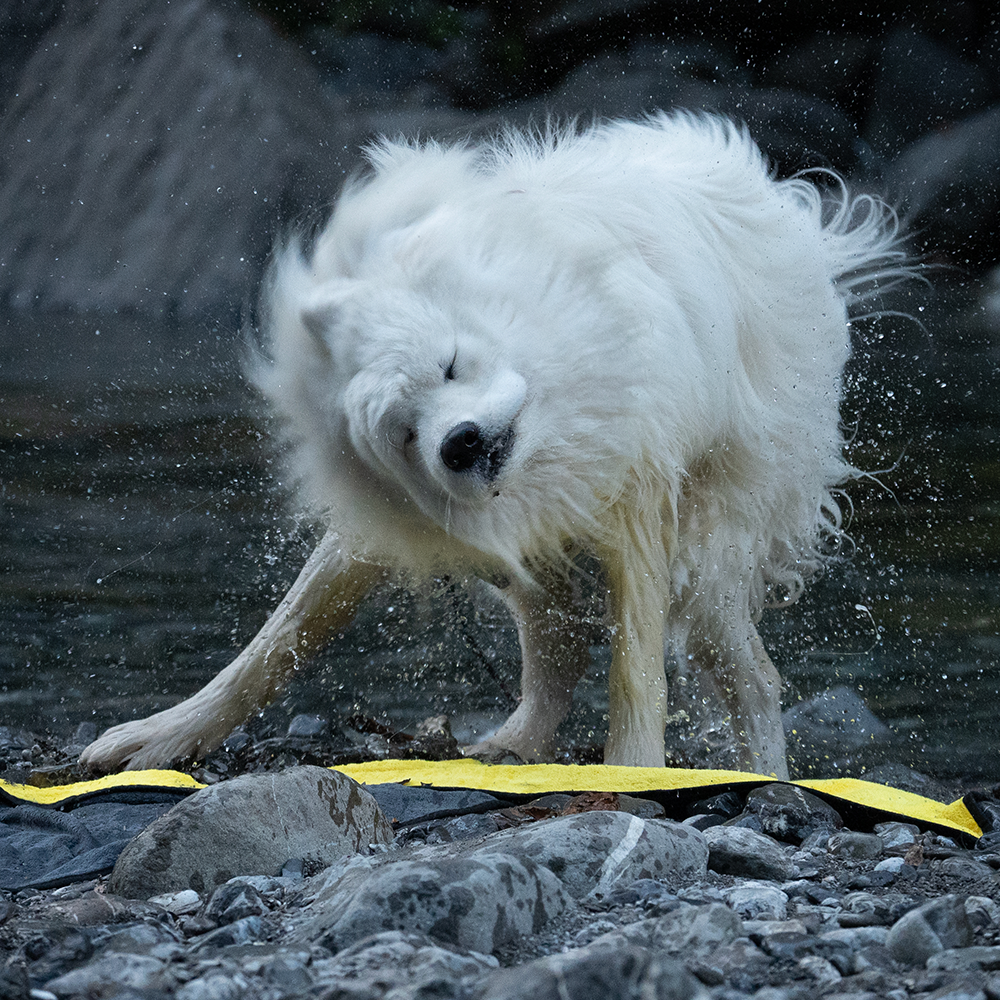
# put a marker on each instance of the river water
(145, 533)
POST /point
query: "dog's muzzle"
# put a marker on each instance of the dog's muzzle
(467, 447)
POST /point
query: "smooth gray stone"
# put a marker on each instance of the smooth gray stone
(940, 924)
(250, 826)
(735, 850)
(628, 973)
(476, 901)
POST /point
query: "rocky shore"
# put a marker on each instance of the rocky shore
(324, 888)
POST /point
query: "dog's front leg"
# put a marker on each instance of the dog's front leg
(323, 598)
(637, 686)
(555, 651)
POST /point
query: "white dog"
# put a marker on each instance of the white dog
(627, 341)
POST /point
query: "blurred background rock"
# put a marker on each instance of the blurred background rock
(153, 150)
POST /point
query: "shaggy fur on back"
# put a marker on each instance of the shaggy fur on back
(666, 320)
(627, 341)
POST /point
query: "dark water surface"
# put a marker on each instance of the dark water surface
(145, 533)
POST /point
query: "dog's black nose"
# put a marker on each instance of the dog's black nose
(462, 447)
(468, 448)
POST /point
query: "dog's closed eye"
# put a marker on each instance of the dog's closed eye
(449, 370)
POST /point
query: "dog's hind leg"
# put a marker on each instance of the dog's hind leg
(323, 598)
(637, 686)
(555, 651)
(740, 670)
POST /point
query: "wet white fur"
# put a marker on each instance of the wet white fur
(664, 326)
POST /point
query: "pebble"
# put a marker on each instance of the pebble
(849, 844)
(595, 972)
(758, 902)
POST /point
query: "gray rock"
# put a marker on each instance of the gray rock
(234, 901)
(968, 874)
(734, 850)
(892, 864)
(740, 963)
(405, 961)
(477, 900)
(789, 813)
(482, 895)
(629, 973)
(289, 973)
(758, 902)
(178, 903)
(246, 930)
(308, 725)
(250, 826)
(213, 987)
(833, 730)
(975, 957)
(983, 912)
(686, 931)
(942, 923)
(110, 973)
(169, 205)
(863, 909)
(151, 938)
(897, 834)
(824, 972)
(856, 937)
(594, 852)
(860, 846)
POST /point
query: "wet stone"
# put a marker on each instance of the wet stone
(178, 903)
(863, 909)
(246, 930)
(596, 972)
(738, 851)
(789, 813)
(942, 923)
(234, 901)
(895, 835)
(860, 846)
(758, 901)
(248, 826)
(685, 931)
(401, 959)
(973, 957)
(479, 901)
(111, 972)
(983, 912)
(216, 986)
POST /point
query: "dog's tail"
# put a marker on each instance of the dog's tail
(870, 253)
(866, 243)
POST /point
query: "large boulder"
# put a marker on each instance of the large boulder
(152, 153)
(484, 894)
(250, 826)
